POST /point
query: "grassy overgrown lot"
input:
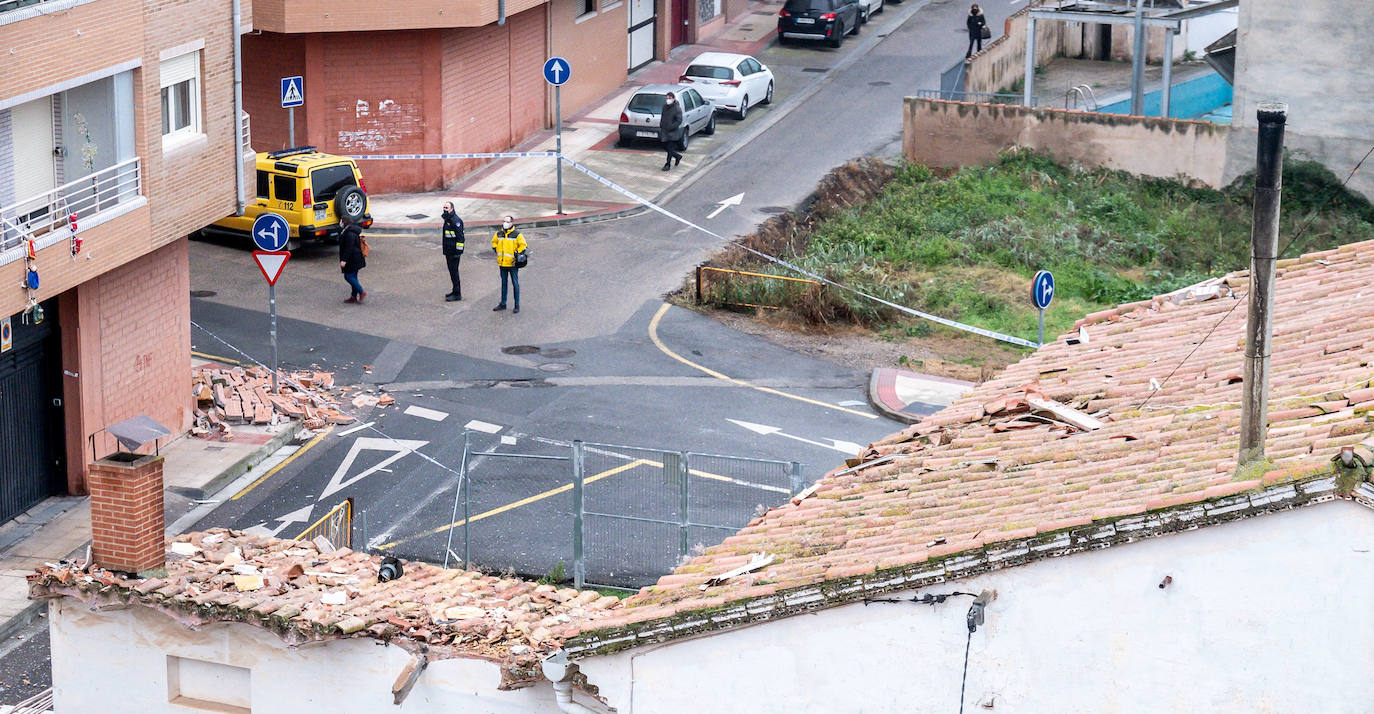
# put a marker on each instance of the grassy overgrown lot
(965, 246)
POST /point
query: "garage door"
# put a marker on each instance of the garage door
(30, 419)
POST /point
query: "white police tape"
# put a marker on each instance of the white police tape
(923, 315)
(496, 155)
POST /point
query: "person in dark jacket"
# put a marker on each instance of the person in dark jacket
(453, 249)
(351, 259)
(975, 22)
(670, 130)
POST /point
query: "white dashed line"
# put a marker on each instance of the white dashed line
(423, 413)
(484, 427)
(359, 427)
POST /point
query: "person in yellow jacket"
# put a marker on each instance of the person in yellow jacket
(506, 243)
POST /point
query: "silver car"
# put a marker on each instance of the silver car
(640, 120)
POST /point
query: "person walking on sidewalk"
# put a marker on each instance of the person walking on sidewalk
(507, 243)
(977, 29)
(352, 259)
(670, 130)
(453, 250)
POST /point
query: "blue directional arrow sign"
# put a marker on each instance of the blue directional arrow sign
(270, 232)
(292, 91)
(1042, 289)
(557, 71)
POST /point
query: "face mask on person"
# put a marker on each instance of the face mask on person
(506, 225)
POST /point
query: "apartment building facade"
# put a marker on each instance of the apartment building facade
(119, 135)
(435, 77)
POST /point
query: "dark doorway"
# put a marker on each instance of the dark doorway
(31, 427)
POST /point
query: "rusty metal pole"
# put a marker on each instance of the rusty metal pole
(698, 284)
(1264, 245)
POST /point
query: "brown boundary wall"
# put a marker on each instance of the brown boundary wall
(952, 134)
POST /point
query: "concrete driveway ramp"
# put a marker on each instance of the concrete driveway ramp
(907, 396)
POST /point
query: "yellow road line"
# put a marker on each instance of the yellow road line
(653, 335)
(216, 358)
(318, 438)
(522, 502)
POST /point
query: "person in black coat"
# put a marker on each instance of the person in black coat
(975, 22)
(670, 130)
(453, 242)
(351, 259)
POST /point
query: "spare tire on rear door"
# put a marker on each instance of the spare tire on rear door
(350, 203)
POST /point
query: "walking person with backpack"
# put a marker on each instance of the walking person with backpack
(510, 249)
(978, 29)
(352, 258)
(452, 242)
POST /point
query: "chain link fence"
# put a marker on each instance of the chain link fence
(599, 514)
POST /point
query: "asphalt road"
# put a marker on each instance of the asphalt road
(594, 354)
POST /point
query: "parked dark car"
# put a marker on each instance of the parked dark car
(828, 20)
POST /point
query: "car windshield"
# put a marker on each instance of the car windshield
(709, 72)
(804, 5)
(328, 181)
(649, 103)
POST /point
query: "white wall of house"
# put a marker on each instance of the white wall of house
(1314, 55)
(1265, 614)
(128, 660)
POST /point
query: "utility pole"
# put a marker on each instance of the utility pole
(1264, 245)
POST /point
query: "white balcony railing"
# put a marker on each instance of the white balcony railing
(93, 198)
(245, 137)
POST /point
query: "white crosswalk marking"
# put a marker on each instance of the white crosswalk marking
(423, 413)
(484, 427)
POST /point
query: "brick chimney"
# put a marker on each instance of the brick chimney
(127, 524)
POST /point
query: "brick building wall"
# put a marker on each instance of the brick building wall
(273, 56)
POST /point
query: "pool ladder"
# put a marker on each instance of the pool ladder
(1082, 93)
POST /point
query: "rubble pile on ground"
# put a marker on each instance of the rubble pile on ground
(235, 395)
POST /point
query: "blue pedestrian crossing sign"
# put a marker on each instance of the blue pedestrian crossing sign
(557, 71)
(1042, 289)
(270, 232)
(292, 91)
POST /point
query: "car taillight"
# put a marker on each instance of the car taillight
(624, 118)
(308, 198)
(784, 13)
(362, 185)
(828, 16)
(731, 83)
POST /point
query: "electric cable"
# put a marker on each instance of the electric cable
(1277, 256)
(964, 681)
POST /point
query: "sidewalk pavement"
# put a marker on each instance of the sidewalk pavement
(908, 396)
(526, 188)
(59, 527)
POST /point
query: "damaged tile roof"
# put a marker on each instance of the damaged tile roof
(303, 594)
(1070, 442)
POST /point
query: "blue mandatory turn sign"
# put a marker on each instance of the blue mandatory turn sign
(270, 232)
(292, 91)
(1042, 289)
(557, 71)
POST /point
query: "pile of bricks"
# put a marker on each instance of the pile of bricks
(234, 395)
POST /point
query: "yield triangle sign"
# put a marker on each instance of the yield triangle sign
(271, 262)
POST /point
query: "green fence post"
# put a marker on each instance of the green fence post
(579, 563)
(796, 477)
(684, 519)
(467, 500)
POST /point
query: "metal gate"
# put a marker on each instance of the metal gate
(31, 436)
(643, 33)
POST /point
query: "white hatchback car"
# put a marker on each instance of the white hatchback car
(869, 8)
(729, 81)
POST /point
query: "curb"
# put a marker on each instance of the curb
(23, 618)
(882, 408)
(243, 466)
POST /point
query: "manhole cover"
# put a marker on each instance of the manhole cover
(537, 235)
(520, 350)
(555, 367)
(879, 83)
(774, 210)
(416, 216)
(816, 69)
(557, 353)
(203, 293)
(745, 28)
(759, 12)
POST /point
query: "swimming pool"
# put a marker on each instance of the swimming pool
(1207, 97)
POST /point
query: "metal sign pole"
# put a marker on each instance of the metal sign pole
(291, 126)
(558, 140)
(1041, 339)
(272, 300)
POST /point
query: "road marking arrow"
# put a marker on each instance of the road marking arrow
(341, 480)
(734, 200)
(845, 447)
(300, 515)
